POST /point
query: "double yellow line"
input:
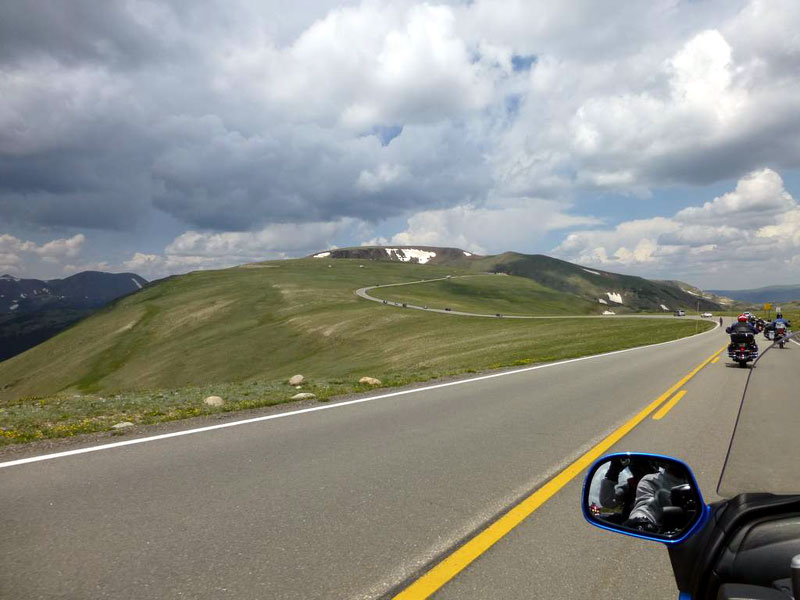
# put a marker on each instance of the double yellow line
(458, 560)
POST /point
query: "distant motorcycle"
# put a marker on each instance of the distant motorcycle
(780, 334)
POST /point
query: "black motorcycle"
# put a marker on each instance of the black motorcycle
(743, 348)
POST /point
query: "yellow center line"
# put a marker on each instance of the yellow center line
(715, 360)
(458, 560)
(662, 412)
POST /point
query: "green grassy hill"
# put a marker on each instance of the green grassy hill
(242, 332)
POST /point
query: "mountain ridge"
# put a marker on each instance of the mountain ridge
(771, 293)
(34, 310)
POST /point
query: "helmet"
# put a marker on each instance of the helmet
(779, 316)
(742, 319)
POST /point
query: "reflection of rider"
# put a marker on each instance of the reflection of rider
(652, 495)
(615, 493)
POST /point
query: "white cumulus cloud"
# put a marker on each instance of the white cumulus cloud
(730, 241)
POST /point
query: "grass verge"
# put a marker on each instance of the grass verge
(492, 345)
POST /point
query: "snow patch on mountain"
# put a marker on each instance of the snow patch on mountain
(322, 255)
(614, 297)
(590, 271)
(136, 282)
(409, 254)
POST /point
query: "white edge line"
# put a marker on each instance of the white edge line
(164, 436)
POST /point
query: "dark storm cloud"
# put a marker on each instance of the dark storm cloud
(223, 180)
(76, 32)
(114, 109)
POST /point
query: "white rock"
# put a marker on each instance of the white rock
(297, 380)
(122, 425)
(214, 401)
(303, 396)
(370, 381)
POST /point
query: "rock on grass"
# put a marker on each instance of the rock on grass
(214, 401)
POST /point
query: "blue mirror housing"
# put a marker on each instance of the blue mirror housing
(649, 496)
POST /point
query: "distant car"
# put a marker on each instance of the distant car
(448, 308)
(609, 312)
(680, 313)
(707, 315)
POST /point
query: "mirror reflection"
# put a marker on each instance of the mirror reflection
(643, 494)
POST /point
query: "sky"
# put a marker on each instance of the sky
(659, 138)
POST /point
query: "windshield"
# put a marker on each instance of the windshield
(764, 455)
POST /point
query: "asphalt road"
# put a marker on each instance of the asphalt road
(357, 500)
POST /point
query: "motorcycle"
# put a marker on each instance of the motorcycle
(742, 348)
(780, 334)
(744, 547)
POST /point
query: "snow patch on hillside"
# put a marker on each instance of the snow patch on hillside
(409, 254)
(664, 307)
(601, 301)
(614, 297)
(590, 271)
(467, 253)
(322, 255)
(9, 277)
(14, 306)
(136, 282)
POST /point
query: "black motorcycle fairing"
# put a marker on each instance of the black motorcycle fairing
(703, 562)
(761, 551)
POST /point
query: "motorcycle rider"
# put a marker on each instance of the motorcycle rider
(652, 495)
(779, 319)
(621, 493)
(741, 326)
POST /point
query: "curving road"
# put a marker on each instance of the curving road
(359, 499)
(364, 293)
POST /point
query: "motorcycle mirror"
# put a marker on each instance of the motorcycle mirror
(643, 495)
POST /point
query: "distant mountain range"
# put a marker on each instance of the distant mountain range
(33, 310)
(622, 293)
(775, 293)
